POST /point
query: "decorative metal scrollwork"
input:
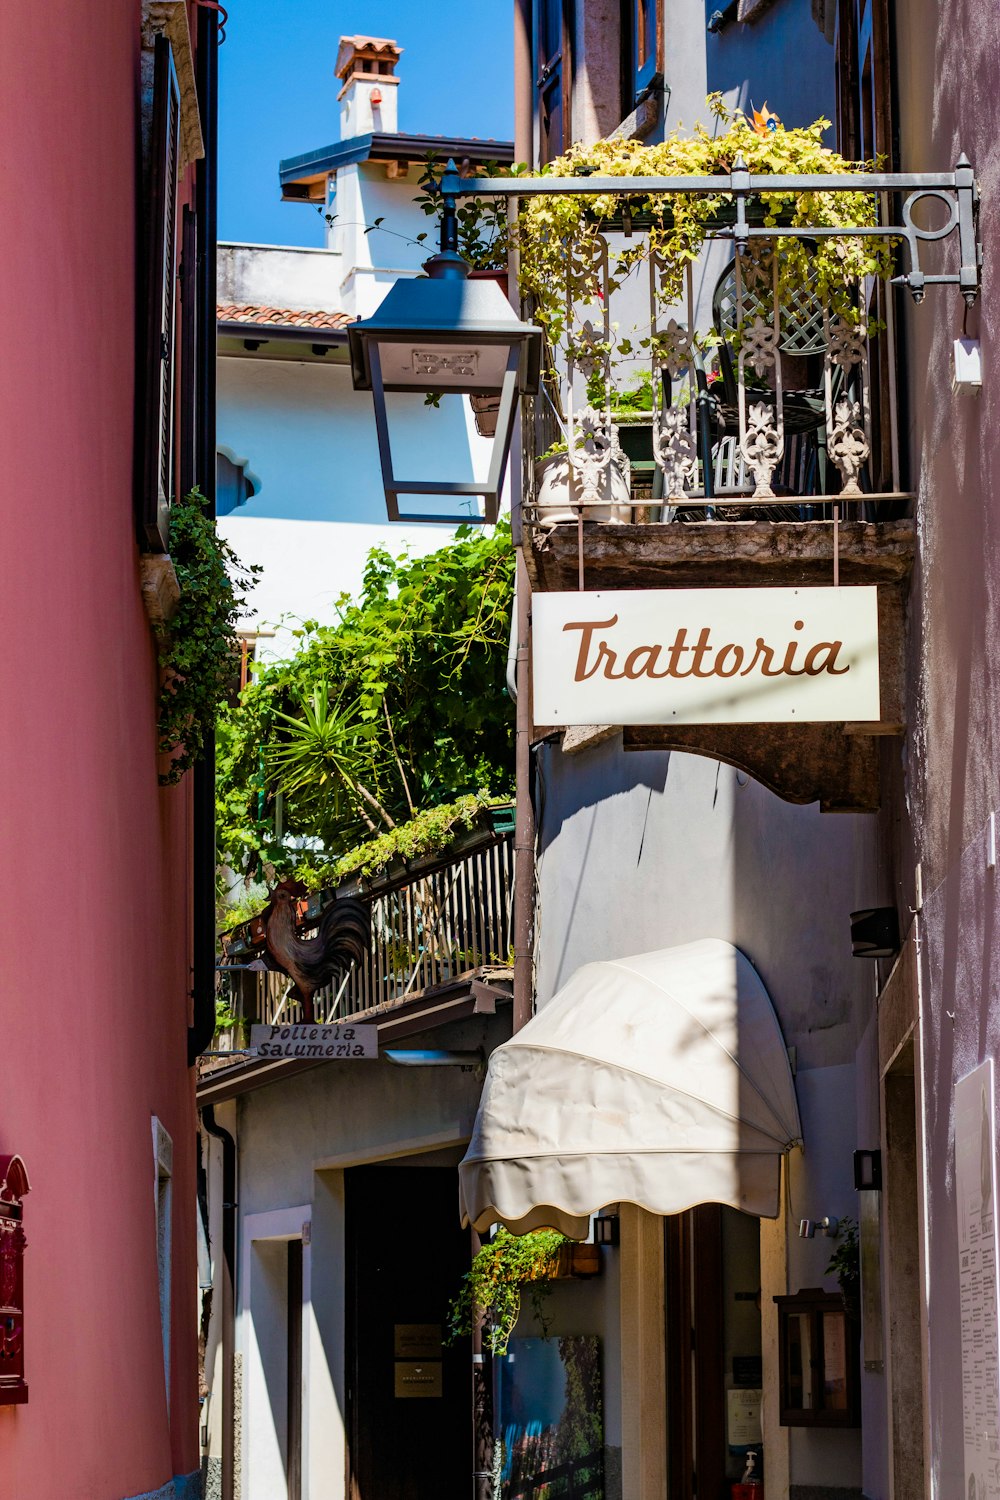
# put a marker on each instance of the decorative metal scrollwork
(675, 347)
(760, 343)
(675, 451)
(848, 344)
(762, 447)
(590, 457)
(848, 444)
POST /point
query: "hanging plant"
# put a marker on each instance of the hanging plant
(200, 653)
(558, 237)
(493, 1285)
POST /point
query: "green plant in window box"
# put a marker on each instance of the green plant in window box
(200, 653)
(494, 1284)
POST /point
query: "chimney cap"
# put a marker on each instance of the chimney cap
(380, 53)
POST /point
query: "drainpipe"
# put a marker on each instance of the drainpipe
(524, 828)
(519, 687)
(228, 1297)
(201, 1031)
(524, 821)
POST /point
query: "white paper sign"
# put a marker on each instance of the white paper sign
(324, 1043)
(975, 1200)
(706, 656)
(743, 1417)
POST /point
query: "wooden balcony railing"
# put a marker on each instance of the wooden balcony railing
(432, 926)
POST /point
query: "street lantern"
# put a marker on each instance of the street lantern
(440, 336)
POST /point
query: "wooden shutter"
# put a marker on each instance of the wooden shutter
(553, 44)
(189, 352)
(157, 430)
(866, 128)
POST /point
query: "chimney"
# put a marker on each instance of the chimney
(366, 66)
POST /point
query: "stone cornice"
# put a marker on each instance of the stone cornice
(169, 18)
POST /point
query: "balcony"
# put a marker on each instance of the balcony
(755, 446)
(441, 949)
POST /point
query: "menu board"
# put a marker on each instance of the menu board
(975, 1198)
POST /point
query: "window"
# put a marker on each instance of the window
(155, 438)
(13, 1187)
(643, 43)
(554, 76)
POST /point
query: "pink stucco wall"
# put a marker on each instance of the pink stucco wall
(949, 81)
(94, 920)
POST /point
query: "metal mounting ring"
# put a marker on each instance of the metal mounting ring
(931, 234)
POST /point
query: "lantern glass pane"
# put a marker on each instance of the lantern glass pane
(438, 444)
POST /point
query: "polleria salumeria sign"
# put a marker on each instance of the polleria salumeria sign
(706, 656)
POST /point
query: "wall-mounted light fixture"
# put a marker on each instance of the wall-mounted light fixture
(433, 1057)
(607, 1229)
(828, 1226)
(868, 1171)
(437, 336)
(875, 932)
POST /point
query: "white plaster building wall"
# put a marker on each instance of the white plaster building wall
(310, 439)
(372, 258)
(359, 115)
(273, 276)
(295, 1141)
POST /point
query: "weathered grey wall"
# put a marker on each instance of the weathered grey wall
(646, 850)
(949, 82)
(782, 60)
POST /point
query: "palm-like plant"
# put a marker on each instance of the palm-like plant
(324, 755)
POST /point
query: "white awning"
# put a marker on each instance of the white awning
(661, 1080)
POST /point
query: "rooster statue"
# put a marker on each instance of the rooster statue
(344, 938)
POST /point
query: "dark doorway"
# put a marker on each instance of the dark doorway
(712, 1286)
(409, 1399)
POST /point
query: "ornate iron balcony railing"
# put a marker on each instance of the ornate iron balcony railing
(783, 411)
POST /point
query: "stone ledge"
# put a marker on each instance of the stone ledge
(719, 554)
(161, 592)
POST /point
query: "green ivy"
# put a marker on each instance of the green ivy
(199, 653)
(481, 222)
(494, 1284)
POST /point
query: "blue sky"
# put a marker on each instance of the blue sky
(278, 93)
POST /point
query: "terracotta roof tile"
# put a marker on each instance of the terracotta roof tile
(278, 317)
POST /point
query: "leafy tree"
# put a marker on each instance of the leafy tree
(398, 707)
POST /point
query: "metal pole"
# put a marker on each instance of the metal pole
(524, 825)
(450, 187)
(482, 1406)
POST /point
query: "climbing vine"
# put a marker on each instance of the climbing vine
(199, 652)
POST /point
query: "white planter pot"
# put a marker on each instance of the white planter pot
(557, 494)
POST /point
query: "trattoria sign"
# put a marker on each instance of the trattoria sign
(321, 1043)
(706, 656)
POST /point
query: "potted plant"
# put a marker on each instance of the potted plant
(561, 488)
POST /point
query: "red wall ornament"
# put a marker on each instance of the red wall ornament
(13, 1186)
